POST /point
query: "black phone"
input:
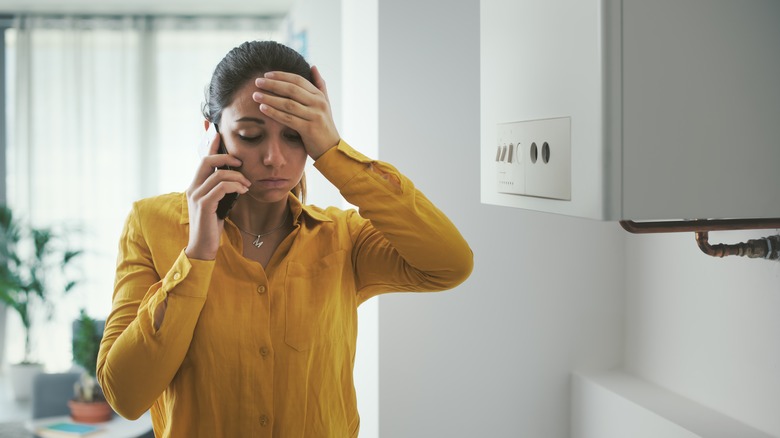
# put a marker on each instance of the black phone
(229, 200)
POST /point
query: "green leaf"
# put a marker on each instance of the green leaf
(32, 268)
(86, 343)
(69, 255)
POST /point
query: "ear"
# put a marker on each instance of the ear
(206, 124)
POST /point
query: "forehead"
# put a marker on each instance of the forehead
(243, 105)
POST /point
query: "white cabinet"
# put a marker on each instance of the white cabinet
(673, 106)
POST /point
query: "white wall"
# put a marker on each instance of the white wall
(359, 127)
(615, 404)
(549, 294)
(492, 358)
(706, 328)
(321, 20)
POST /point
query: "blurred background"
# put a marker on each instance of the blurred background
(102, 107)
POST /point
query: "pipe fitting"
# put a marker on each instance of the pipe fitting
(765, 248)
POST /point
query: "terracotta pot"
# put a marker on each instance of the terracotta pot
(90, 412)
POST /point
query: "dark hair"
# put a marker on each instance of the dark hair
(246, 62)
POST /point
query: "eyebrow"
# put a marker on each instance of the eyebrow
(251, 119)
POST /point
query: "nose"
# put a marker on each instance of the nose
(273, 155)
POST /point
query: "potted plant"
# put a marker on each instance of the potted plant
(33, 273)
(88, 404)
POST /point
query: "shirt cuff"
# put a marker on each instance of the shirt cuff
(341, 163)
(188, 277)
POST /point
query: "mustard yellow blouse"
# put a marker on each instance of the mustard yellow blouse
(250, 352)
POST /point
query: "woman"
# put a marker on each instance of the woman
(247, 326)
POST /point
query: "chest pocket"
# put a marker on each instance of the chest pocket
(315, 304)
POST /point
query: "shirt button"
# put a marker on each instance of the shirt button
(264, 351)
(176, 276)
(261, 289)
(264, 420)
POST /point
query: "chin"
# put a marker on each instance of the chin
(270, 196)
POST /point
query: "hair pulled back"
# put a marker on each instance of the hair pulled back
(246, 62)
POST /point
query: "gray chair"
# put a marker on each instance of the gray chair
(51, 392)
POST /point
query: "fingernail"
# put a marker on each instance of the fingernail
(263, 107)
(257, 96)
(259, 82)
(269, 75)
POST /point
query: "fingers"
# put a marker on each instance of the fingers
(207, 143)
(285, 105)
(229, 179)
(209, 193)
(293, 101)
(319, 82)
(294, 121)
(213, 161)
(203, 201)
(285, 83)
(214, 138)
(293, 87)
(287, 97)
(203, 196)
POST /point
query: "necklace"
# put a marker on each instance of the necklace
(257, 242)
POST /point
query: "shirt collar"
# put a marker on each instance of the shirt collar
(295, 207)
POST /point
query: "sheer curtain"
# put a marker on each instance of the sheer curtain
(104, 111)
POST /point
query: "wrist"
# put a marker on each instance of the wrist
(195, 253)
(316, 155)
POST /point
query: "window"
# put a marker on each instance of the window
(102, 111)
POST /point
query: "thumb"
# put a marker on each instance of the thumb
(319, 82)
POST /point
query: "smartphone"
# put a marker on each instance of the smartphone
(229, 200)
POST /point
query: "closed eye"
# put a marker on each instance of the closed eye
(250, 139)
(293, 136)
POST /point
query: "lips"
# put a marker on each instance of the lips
(272, 182)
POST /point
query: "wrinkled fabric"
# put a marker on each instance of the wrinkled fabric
(245, 351)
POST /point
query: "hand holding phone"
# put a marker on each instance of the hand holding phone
(229, 200)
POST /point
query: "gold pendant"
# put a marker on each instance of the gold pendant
(257, 243)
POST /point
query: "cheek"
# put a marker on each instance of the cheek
(247, 158)
(234, 150)
(298, 158)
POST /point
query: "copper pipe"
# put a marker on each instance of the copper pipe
(699, 225)
(766, 248)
